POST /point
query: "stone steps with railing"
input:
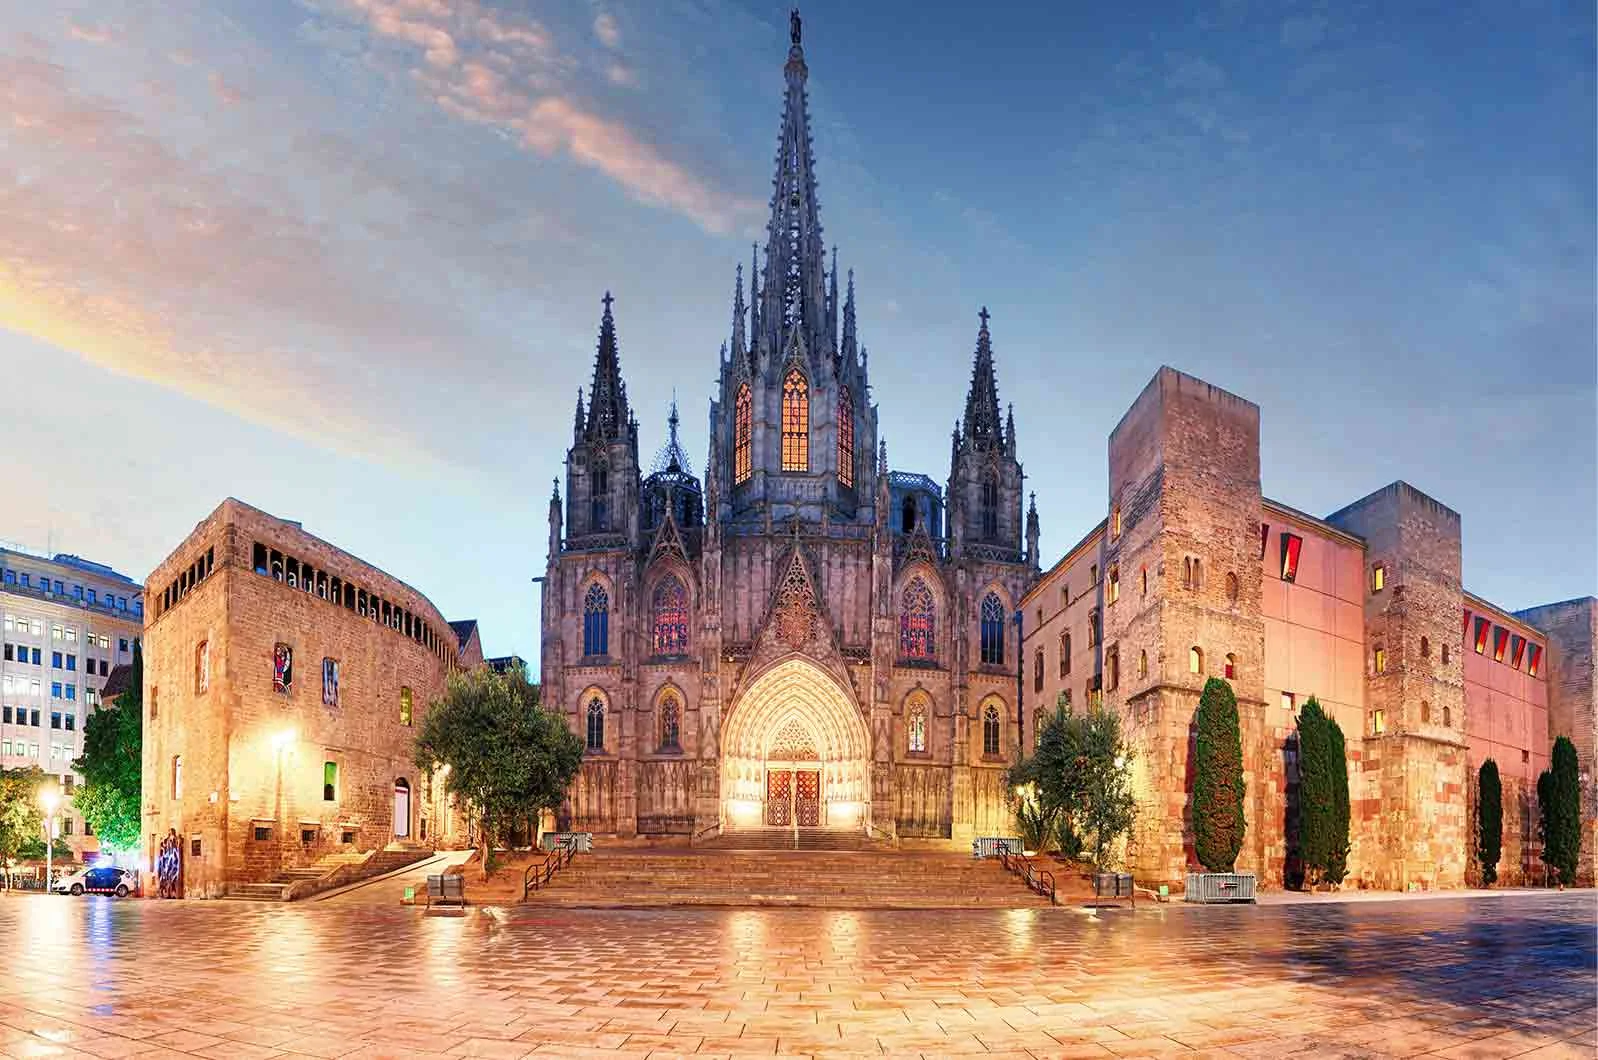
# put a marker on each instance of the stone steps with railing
(329, 871)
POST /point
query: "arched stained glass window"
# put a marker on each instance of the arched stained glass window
(743, 430)
(596, 724)
(990, 730)
(670, 723)
(915, 725)
(845, 437)
(993, 630)
(795, 422)
(669, 612)
(596, 621)
(917, 622)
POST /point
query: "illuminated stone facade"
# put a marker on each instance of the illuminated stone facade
(283, 683)
(1194, 573)
(807, 639)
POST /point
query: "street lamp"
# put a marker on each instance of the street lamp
(49, 799)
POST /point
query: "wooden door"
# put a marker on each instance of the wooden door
(807, 798)
(779, 796)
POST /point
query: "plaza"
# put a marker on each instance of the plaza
(360, 975)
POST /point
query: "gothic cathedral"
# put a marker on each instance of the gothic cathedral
(807, 640)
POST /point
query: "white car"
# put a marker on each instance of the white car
(101, 879)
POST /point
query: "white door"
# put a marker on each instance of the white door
(402, 808)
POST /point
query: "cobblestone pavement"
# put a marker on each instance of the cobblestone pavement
(1455, 978)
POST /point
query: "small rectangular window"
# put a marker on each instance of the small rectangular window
(262, 833)
(1292, 545)
(1517, 650)
(194, 846)
(1378, 722)
(1378, 578)
(406, 711)
(1380, 660)
(1483, 627)
(1534, 659)
(1500, 643)
(1289, 701)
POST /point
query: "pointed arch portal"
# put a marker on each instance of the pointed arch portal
(795, 752)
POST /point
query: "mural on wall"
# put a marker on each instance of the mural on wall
(330, 682)
(283, 669)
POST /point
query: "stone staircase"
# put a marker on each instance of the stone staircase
(876, 878)
(790, 839)
(330, 870)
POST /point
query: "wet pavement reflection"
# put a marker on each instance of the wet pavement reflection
(1460, 978)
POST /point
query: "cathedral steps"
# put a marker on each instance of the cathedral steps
(866, 879)
(789, 839)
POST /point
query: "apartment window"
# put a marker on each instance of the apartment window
(72, 662)
(1195, 660)
(407, 708)
(1093, 628)
(1093, 574)
(55, 689)
(1378, 578)
(72, 635)
(55, 719)
(1378, 722)
(1289, 701)
(1037, 671)
(1065, 654)
(263, 833)
(1115, 583)
(1292, 545)
(1112, 667)
(56, 632)
(1231, 667)
(122, 645)
(26, 582)
(72, 693)
(1379, 660)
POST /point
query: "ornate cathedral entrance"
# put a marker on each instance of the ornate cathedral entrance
(795, 753)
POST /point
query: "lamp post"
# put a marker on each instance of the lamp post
(49, 799)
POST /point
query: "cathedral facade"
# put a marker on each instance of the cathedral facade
(804, 638)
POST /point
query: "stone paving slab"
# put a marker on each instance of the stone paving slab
(98, 977)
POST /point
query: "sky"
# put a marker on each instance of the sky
(343, 259)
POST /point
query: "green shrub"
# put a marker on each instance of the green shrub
(1218, 823)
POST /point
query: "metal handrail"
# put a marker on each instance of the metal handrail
(539, 874)
(1039, 881)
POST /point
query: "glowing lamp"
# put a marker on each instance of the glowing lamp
(49, 799)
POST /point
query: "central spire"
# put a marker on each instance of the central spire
(981, 428)
(793, 297)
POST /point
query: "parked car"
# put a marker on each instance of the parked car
(102, 879)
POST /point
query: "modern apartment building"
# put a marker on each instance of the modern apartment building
(67, 623)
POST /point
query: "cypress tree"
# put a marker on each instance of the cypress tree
(1218, 823)
(1323, 794)
(1562, 847)
(1545, 803)
(1489, 820)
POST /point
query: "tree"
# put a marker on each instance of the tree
(112, 765)
(21, 816)
(1561, 809)
(1078, 783)
(1489, 820)
(506, 755)
(1322, 795)
(1218, 822)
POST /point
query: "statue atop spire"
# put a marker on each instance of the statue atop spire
(982, 429)
(795, 27)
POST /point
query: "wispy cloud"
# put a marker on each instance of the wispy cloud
(607, 30)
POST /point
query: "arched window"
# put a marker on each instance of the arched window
(1445, 655)
(596, 724)
(1448, 715)
(845, 437)
(1231, 587)
(915, 726)
(1425, 712)
(1114, 592)
(1037, 671)
(202, 667)
(917, 621)
(1187, 572)
(1112, 668)
(1195, 660)
(795, 422)
(1425, 648)
(596, 621)
(669, 616)
(907, 515)
(990, 508)
(993, 630)
(990, 730)
(1142, 664)
(670, 723)
(1231, 666)
(1065, 654)
(743, 426)
(599, 499)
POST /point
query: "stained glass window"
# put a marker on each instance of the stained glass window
(917, 622)
(670, 723)
(743, 429)
(845, 437)
(993, 630)
(596, 621)
(596, 724)
(990, 730)
(795, 422)
(283, 669)
(916, 727)
(669, 607)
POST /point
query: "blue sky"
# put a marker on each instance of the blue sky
(343, 258)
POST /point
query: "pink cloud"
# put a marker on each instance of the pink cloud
(224, 92)
(92, 34)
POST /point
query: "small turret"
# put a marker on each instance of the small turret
(1032, 553)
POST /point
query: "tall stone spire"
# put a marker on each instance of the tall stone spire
(794, 295)
(832, 302)
(754, 296)
(850, 339)
(982, 429)
(608, 416)
(740, 345)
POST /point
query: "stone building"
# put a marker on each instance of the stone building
(68, 623)
(805, 638)
(283, 682)
(1195, 573)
